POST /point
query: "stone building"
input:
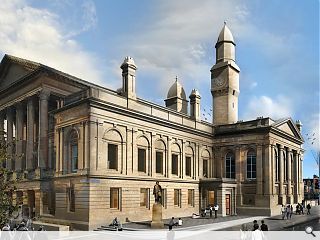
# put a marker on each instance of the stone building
(85, 154)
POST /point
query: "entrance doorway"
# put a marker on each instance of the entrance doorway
(228, 204)
(31, 203)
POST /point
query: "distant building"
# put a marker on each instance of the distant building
(86, 154)
(311, 187)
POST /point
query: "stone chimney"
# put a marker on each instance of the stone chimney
(195, 104)
(129, 77)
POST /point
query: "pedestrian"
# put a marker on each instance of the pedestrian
(171, 223)
(210, 211)
(263, 227)
(288, 210)
(283, 211)
(298, 209)
(216, 208)
(257, 234)
(245, 234)
(255, 225)
(308, 208)
(180, 222)
(301, 209)
(6, 227)
(291, 211)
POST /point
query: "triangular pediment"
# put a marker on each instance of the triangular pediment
(12, 69)
(287, 125)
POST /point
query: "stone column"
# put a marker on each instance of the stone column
(2, 116)
(10, 143)
(289, 152)
(30, 132)
(281, 171)
(169, 165)
(43, 129)
(182, 160)
(259, 166)
(87, 145)
(19, 137)
(296, 176)
(239, 173)
(268, 170)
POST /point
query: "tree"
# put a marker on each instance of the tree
(7, 187)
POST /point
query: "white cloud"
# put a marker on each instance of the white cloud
(36, 34)
(265, 106)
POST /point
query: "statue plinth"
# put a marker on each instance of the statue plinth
(157, 216)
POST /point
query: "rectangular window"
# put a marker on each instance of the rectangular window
(164, 197)
(71, 198)
(19, 197)
(141, 160)
(115, 198)
(174, 161)
(74, 157)
(191, 197)
(211, 198)
(205, 168)
(177, 197)
(144, 197)
(188, 166)
(113, 156)
(159, 162)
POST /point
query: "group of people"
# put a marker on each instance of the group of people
(210, 209)
(287, 211)
(174, 223)
(24, 225)
(255, 233)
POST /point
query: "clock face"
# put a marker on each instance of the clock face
(219, 81)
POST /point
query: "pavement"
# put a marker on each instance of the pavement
(231, 223)
(276, 223)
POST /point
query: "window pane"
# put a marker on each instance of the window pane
(114, 198)
(144, 197)
(205, 168)
(190, 197)
(141, 160)
(113, 156)
(174, 164)
(159, 162)
(74, 157)
(188, 166)
(176, 197)
(230, 166)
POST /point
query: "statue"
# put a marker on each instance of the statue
(157, 192)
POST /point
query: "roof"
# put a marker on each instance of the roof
(225, 34)
(176, 90)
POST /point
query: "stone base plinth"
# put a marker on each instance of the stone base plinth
(157, 216)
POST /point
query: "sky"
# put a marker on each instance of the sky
(277, 49)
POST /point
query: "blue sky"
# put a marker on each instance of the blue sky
(277, 48)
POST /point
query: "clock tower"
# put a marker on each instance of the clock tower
(225, 80)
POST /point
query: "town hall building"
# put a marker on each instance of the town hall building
(85, 154)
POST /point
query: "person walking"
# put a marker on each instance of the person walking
(291, 211)
(308, 208)
(216, 208)
(283, 211)
(255, 225)
(288, 210)
(211, 210)
(263, 227)
(301, 209)
(171, 223)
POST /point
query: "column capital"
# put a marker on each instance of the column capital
(44, 94)
(281, 147)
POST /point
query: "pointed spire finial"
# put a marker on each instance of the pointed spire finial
(225, 22)
(176, 78)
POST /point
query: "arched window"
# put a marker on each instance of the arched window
(230, 165)
(251, 165)
(73, 147)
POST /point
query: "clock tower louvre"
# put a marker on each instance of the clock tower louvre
(225, 80)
